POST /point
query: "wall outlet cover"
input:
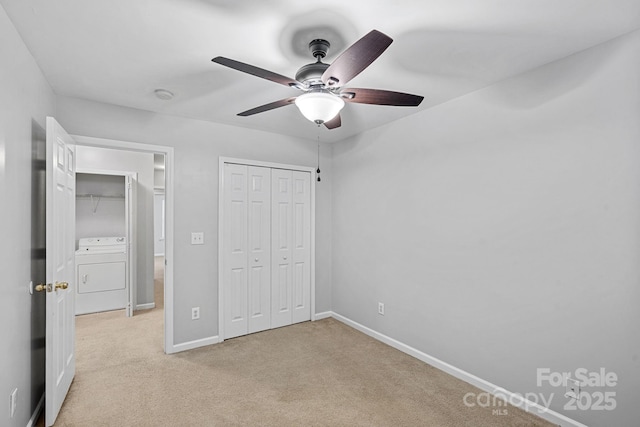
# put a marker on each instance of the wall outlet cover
(197, 238)
(573, 388)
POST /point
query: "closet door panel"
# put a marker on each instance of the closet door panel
(259, 236)
(281, 247)
(235, 250)
(301, 250)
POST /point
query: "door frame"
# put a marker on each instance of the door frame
(231, 160)
(130, 227)
(169, 345)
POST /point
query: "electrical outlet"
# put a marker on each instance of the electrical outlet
(197, 238)
(195, 313)
(13, 402)
(573, 388)
(381, 308)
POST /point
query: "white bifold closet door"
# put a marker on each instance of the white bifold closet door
(266, 238)
(247, 246)
(290, 252)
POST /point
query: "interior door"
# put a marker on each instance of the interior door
(235, 250)
(259, 248)
(266, 248)
(281, 251)
(301, 247)
(130, 221)
(60, 288)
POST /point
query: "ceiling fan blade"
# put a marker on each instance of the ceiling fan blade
(381, 97)
(267, 107)
(336, 122)
(356, 58)
(258, 72)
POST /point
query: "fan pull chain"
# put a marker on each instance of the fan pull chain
(318, 170)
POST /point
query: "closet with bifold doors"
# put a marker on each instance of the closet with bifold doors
(266, 238)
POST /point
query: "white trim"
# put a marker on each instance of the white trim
(93, 171)
(323, 315)
(169, 205)
(147, 306)
(529, 406)
(221, 163)
(312, 172)
(190, 345)
(36, 413)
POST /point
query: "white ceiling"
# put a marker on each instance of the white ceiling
(120, 51)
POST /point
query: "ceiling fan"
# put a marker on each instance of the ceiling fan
(323, 84)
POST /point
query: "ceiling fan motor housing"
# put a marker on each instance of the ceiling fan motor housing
(319, 48)
(310, 74)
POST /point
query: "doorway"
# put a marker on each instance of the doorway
(105, 236)
(161, 276)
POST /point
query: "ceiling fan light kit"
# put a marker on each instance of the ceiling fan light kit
(319, 107)
(322, 83)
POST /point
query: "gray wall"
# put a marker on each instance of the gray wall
(142, 163)
(502, 229)
(198, 145)
(25, 102)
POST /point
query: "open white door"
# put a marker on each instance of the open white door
(60, 288)
(131, 181)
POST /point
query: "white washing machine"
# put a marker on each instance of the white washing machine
(101, 274)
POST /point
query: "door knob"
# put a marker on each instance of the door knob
(41, 287)
(284, 258)
(256, 259)
(61, 285)
(49, 287)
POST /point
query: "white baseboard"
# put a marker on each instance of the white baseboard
(545, 413)
(147, 306)
(323, 315)
(190, 345)
(36, 413)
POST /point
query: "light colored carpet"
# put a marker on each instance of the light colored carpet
(310, 374)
